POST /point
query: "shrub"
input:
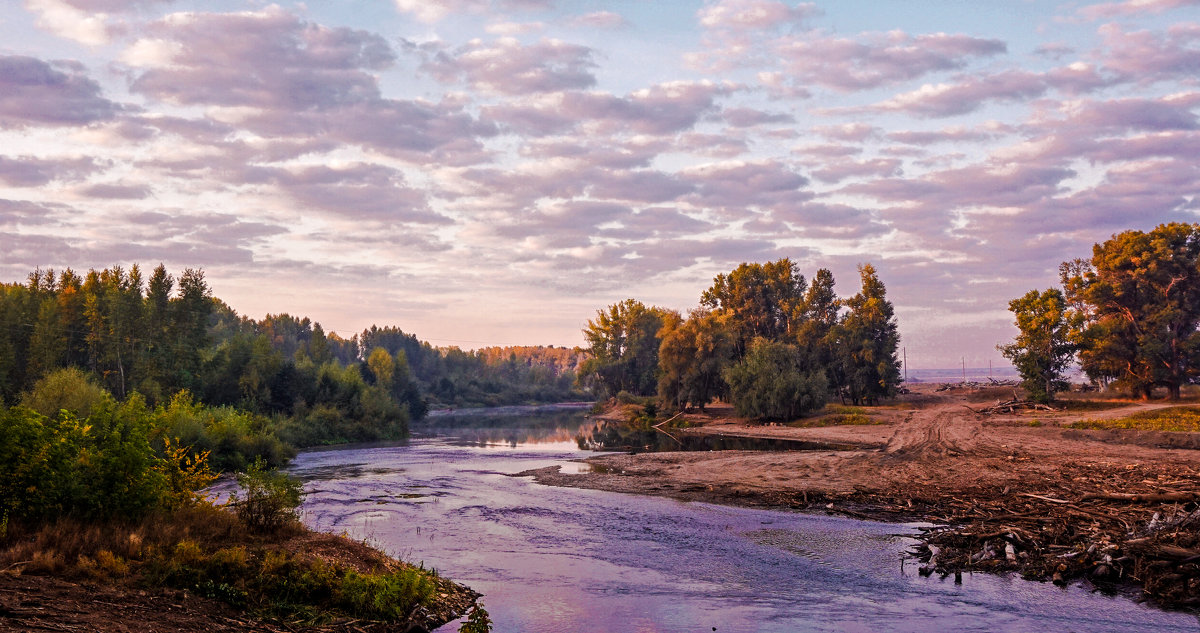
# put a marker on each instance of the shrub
(99, 468)
(270, 499)
(770, 383)
(66, 389)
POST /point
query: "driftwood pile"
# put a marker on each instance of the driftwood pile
(973, 384)
(1151, 539)
(1014, 405)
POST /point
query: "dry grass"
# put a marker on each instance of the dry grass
(293, 572)
(1175, 419)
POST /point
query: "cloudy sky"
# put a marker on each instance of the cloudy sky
(485, 172)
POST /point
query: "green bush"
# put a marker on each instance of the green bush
(99, 468)
(66, 389)
(270, 499)
(771, 384)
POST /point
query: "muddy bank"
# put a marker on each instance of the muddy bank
(1016, 492)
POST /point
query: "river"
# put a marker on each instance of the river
(567, 560)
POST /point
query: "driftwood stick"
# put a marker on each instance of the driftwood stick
(1043, 498)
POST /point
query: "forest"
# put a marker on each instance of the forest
(237, 387)
(763, 337)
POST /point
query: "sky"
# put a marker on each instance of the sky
(492, 172)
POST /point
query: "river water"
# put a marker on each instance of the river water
(565, 560)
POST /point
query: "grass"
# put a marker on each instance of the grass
(1175, 419)
(293, 573)
(838, 415)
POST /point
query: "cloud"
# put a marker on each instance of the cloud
(430, 11)
(278, 76)
(115, 191)
(38, 93)
(360, 191)
(660, 109)
(945, 100)
(751, 117)
(1133, 7)
(839, 171)
(508, 67)
(953, 134)
(268, 60)
(65, 19)
(734, 186)
(1146, 57)
(753, 14)
(26, 212)
(28, 171)
(599, 20)
(877, 59)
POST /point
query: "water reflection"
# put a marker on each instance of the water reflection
(553, 428)
(607, 436)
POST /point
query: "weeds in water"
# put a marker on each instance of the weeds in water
(478, 621)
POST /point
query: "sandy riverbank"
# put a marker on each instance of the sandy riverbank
(931, 456)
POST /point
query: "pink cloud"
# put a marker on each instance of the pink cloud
(1147, 56)
(839, 171)
(751, 117)
(874, 60)
(39, 93)
(753, 14)
(508, 67)
(1133, 7)
(660, 109)
(945, 100)
(599, 20)
(28, 171)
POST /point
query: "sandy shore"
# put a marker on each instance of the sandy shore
(927, 445)
(1016, 492)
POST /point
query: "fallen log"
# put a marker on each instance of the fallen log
(1165, 497)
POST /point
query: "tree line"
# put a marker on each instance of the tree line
(1129, 316)
(763, 337)
(243, 387)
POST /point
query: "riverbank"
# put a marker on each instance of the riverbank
(1022, 492)
(200, 571)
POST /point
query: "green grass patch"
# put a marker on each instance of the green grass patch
(837, 419)
(1175, 419)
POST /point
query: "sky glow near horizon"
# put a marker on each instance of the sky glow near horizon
(492, 172)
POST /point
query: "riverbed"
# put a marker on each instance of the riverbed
(551, 559)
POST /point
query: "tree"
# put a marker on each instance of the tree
(623, 342)
(1041, 352)
(691, 359)
(866, 342)
(760, 300)
(771, 383)
(1142, 293)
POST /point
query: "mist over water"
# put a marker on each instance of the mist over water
(558, 559)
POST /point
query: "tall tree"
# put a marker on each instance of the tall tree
(623, 341)
(760, 300)
(1143, 291)
(1042, 350)
(692, 358)
(867, 340)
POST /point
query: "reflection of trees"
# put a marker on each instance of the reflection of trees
(608, 436)
(538, 427)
